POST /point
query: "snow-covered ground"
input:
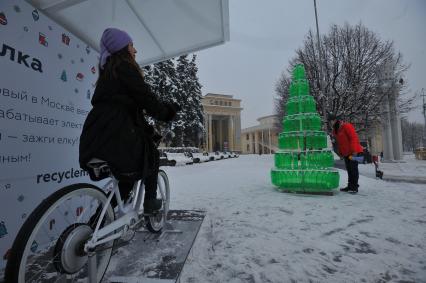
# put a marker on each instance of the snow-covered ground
(253, 233)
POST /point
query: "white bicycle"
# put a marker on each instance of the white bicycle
(59, 242)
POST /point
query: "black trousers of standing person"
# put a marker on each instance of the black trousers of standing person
(353, 174)
(150, 181)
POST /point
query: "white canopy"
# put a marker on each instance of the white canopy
(161, 29)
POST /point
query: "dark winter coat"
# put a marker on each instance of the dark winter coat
(346, 138)
(116, 129)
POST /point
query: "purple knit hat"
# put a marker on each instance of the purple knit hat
(112, 41)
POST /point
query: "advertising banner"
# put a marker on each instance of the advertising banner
(47, 77)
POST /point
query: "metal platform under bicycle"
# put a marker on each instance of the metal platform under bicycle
(156, 258)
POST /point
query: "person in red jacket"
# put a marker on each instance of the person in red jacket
(349, 146)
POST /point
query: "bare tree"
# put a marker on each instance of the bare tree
(282, 89)
(352, 59)
(412, 134)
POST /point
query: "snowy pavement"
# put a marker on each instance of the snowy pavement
(253, 233)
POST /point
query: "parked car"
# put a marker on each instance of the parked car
(218, 155)
(199, 157)
(228, 154)
(178, 158)
(210, 155)
(234, 154)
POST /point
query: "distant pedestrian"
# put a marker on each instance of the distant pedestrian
(348, 144)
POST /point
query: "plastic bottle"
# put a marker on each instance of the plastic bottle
(300, 105)
(307, 141)
(298, 72)
(314, 159)
(312, 180)
(277, 158)
(288, 107)
(293, 89)
(318, 137)
(323, 140)
(329, 179)
(293, 106)
(303, 160)
(288, 141)
(323, 160)
(312, 138)
(359, 159)
(308, 160)
(318, 140)
(297, 123)
(306, 179)
(283, 141)
(316, 123)
(305, 104)
(287, 160)
(311, 105)
(303, 87)
(286, 126)
(295, 161)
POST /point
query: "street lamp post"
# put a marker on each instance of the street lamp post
(321, 74)
(424, 116)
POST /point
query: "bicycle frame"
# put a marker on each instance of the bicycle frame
(129, 215)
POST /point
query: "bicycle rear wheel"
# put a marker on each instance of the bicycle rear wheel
(50, 245)
(155, 223)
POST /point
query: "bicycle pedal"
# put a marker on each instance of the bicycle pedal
(128, 235)
(155, 213)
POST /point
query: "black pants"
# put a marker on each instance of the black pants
(150, 181)
(353, 174)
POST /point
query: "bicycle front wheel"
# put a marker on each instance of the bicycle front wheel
(50, 245)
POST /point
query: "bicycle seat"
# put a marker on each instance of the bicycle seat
(99, 169)
(96, 163)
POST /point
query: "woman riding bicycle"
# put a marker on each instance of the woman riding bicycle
(116, 129)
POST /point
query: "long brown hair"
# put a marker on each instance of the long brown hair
(109, 71)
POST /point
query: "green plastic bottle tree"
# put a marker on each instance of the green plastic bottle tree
(303, 163)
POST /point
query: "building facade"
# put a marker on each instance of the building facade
(222, 121)
(263, 138)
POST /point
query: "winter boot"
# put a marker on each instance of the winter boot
(152, 205)
(353, 189)
(346, 189)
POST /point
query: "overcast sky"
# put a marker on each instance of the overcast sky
(265, 35)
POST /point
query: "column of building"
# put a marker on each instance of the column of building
(231, 144)
(256, 142)
(220, 135)
(251, 143)
(237, 126)
(210, 134)
(269, 140)
(387, 130)
(395, 122)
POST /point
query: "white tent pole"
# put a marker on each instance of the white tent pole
(146, 27)
(58, 5)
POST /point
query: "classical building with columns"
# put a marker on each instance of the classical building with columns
(262, 138)
(222, 121)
